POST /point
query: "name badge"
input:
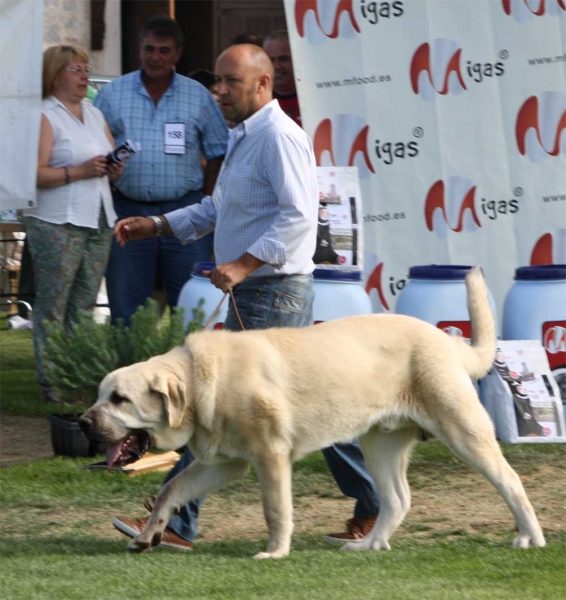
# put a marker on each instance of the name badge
(174, 138)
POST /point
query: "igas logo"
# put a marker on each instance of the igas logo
(525, 10)
(320, 20)
(550, 249)
(541, 126)
(345, 141)
(437, 69)
(451, 206)
(555, 339)
(376, 287)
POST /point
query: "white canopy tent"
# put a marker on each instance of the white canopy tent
(20, 100)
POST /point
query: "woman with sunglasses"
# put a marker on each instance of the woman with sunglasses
(69, 231)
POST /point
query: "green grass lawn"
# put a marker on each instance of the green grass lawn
(56, 541)
(19, 390)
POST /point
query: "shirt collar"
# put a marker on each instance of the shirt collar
(259, 118)
(251, 124)
(53, 101)
(172, 87)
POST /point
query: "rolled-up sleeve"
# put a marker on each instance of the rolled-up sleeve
(290, 168)
(192, 222)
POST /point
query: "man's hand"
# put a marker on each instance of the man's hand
(232, 273)
(134, 228)
(115, 171)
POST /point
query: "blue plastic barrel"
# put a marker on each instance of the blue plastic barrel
(535, 309)
(199, 287)
(437, 294)
(339, 294)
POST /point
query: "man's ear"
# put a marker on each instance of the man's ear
(174, 393)
(264, 82)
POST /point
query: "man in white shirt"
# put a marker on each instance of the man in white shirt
(264, 206)
(264, 213)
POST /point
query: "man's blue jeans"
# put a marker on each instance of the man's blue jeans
(285, 301)
(133, 271)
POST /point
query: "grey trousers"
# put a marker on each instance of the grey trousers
(69, 264)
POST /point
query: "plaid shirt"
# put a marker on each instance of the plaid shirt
(266, 198)
(152, 175)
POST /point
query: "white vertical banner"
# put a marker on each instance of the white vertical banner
(454, 112)
(21, 35)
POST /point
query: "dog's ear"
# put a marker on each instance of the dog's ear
(174, 393)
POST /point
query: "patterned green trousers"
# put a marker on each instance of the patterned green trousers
(69, 264)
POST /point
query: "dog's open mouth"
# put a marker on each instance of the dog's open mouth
(128, 450)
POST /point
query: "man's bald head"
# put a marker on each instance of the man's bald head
(246, 81)
(250, 57)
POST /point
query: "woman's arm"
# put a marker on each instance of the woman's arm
(50, 177)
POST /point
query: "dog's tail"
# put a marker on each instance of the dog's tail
(478, 357)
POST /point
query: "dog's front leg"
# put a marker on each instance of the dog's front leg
(274, 474)
(195, 481)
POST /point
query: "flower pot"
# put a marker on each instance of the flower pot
(68, 440)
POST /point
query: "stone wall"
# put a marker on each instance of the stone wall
(68, 22)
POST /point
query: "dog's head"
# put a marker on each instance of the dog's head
(140, 406)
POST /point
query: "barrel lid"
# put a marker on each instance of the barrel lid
(335, 275)
(541, 272)
(440, 272)
(205, 265)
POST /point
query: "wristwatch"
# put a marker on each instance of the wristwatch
(158, 224)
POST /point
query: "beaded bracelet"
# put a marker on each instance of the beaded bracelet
(67, 175)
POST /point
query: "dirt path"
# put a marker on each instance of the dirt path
(23, 438)
(468, 502)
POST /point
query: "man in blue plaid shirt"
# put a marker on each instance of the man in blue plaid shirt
(176, 120)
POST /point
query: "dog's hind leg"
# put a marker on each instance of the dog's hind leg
(274, 474)
(387, 457)
(196, 481)
(469, 433)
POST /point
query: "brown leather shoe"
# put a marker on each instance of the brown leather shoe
(356, 529)
(133, 527)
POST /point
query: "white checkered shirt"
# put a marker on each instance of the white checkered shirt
(266, 198)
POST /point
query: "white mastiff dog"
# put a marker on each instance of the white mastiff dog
(268, 398)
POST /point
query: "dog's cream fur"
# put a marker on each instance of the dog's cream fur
(267, 398)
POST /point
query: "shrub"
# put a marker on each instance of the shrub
(78, 359)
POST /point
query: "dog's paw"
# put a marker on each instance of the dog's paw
(138, 545)
(276, 554)
(357, 545)
(524, 541)
(366, 544)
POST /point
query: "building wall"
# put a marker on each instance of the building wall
(68, 22)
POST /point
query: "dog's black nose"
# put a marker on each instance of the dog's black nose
(85, 424)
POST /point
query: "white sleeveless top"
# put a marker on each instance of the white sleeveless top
(75, 142)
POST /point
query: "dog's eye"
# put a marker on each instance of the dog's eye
(115, 398)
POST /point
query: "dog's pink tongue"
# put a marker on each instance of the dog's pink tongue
(112, 454)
